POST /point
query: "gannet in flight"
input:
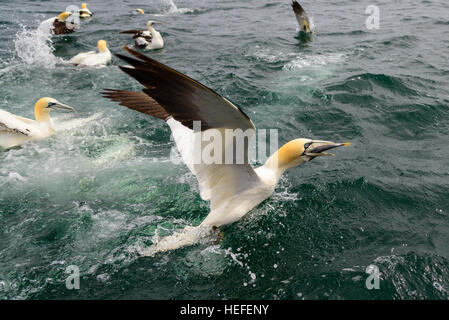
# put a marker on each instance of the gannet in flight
(15, 130)
(147, 39)
(301, 16)
(233, 189)
(59, 24)
(84, 12)
(92, 58)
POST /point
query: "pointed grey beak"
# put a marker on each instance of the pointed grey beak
(319, 150)
(58, 105)
(157, 22)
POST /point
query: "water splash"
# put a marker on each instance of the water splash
(314, 61)
(36, 46)
(311, 25)
(186, 237)
(172, 8)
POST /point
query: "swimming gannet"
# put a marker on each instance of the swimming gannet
(301, 16)
(84, 12)
(15, 130)
(59, 24)
(92, 58)
(147, 39)
(233, 189)
(138, 11)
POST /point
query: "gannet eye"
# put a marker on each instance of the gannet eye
(308, 144)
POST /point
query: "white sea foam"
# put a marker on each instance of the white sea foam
(35, 46)
(269, 55)
(313, 61)
(294, 61)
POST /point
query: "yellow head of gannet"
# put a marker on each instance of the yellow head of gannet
(63, 16)
(83, 6)
(299, 151)
(102, 45)
(45, 105)
(138, 10)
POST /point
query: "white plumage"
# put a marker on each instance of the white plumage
(92, 58)
(15, 130)
(149, 39)
(233, 187)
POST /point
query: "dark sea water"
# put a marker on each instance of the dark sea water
(104, 184)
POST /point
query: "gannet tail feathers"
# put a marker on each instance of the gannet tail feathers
(139, 101)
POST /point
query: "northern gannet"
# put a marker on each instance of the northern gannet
(147, 39)
(59, 24)
(92, 58)
(84, 12)
(15, 130)
(138, 11)
(301, 16)
(233, 189)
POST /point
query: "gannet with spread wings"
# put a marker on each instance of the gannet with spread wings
(233, 188)
(149, 39)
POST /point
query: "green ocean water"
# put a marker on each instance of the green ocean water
(104, 185)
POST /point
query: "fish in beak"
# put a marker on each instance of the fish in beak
(318, 148)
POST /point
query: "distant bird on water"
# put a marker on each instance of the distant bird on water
(138, 11)
(147, 39)
(92, 58)
(59, 24)
(301, 17)
(233, 189)
(15, 130)
(84, 12)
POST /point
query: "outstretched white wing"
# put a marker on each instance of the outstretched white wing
(14, 124)
(180, 100)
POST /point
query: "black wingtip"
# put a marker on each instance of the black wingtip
(137, 54)
(297, 7)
